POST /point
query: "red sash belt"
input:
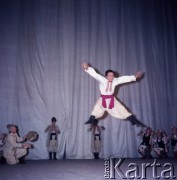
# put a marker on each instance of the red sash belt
(104, 97)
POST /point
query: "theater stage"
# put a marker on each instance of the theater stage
(82, 169)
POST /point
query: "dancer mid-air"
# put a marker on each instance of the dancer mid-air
(107, 101)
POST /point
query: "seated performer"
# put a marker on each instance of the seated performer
(96, 144)
(52, 140)
(14, 151)
(107, 101)
(145, 148)
(161, 147)
(174, 141)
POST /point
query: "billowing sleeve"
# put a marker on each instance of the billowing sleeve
(95, 75)
(125, 79)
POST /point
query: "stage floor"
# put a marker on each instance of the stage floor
(84, 169)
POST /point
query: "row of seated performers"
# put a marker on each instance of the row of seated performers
(156, 143)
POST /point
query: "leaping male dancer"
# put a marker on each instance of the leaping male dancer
(107, 101)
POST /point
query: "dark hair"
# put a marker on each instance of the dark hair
(109, 71)
(53, 119)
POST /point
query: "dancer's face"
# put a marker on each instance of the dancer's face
(110, 76)
(53, 122)
(148, 131)
(159, 134)
(13, 129)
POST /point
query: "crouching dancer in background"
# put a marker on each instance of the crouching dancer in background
(161, 144)
(14, 150)
(145, 147)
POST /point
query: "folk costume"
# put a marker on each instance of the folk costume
(107, 101)
(161, 147)
(13, 148)
(52, 140)
(96, 141)
(145, 147)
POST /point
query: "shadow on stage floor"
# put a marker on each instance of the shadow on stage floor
(85, 169)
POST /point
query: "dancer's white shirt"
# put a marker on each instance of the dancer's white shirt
(103, 81)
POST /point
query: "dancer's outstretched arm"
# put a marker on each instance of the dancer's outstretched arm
(92, 72)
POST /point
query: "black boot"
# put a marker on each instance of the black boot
(22, 160)
(131, 119)
(97, 156)
(91, 119)
(54, 156)
(50, 155)
(135, 121)
(3, 160)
